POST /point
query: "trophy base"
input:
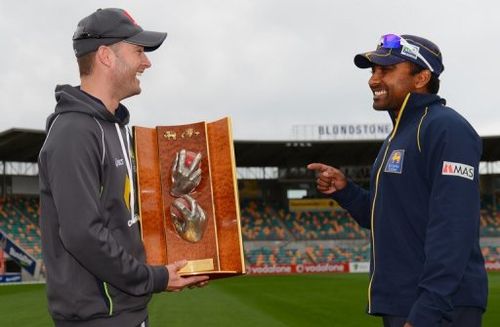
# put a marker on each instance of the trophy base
(212, 274)
(194, 266)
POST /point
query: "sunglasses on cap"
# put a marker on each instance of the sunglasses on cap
(393, 41)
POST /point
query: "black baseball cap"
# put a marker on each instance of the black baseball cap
(109, 26)
(393, 49)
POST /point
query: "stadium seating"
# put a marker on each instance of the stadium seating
(274, 256)
(339, 254)
(490, 223)
(261, 222)
(19, 220)
(336, 224)
(491, 253)
(272, 235)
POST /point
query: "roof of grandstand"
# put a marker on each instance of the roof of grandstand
(23, 145)
(300, 153)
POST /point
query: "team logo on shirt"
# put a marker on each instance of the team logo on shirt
(395, 163)
(458, 169)
(119, 162)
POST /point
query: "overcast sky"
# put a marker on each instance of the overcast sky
(269, 64)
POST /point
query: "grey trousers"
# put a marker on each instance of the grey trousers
(145, 323)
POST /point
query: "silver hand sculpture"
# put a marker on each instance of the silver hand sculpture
(189, 221)
(185, 177)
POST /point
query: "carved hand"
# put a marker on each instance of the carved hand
(185, 176)
(188, 218)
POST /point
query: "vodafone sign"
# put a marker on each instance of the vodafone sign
(347, 267)
(299, 269)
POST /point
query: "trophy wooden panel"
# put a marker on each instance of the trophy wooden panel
(191, 138)
(224, 186)
(150, 204)
(217, 194)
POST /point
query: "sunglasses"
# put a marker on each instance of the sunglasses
(393, 41)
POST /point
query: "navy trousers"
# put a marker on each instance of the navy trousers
(461, 317)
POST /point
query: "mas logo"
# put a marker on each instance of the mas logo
(458, 169)
(395, 163)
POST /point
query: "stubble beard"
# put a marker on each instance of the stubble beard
(126, 83)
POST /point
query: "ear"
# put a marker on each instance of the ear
(105, 56)
(422, 78)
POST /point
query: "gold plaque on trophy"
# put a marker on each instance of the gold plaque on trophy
(188, 197)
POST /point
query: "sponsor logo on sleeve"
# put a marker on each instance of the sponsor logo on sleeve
(395, 163)
(458, 169)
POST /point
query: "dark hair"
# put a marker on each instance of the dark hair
(86, 63)
(433, 84)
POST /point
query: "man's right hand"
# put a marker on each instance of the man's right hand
(177, 283)
(329, 179)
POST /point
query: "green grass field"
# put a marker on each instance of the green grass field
(292, 300)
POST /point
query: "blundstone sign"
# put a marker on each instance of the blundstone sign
(341, 131)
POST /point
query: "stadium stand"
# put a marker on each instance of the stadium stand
(19, 220)
(299, 253)
(293, 232)
(274, 255)
(272, 235)
(261, 222)
(292, 237)
(339, 254)
(490, 223)
(308, 225)
(491, 253)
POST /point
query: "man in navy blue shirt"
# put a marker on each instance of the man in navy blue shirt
(423, 204)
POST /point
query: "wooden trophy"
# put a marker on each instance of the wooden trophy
(188, 197)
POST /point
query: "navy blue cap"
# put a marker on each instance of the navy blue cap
(109, 26)
(417, 50)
